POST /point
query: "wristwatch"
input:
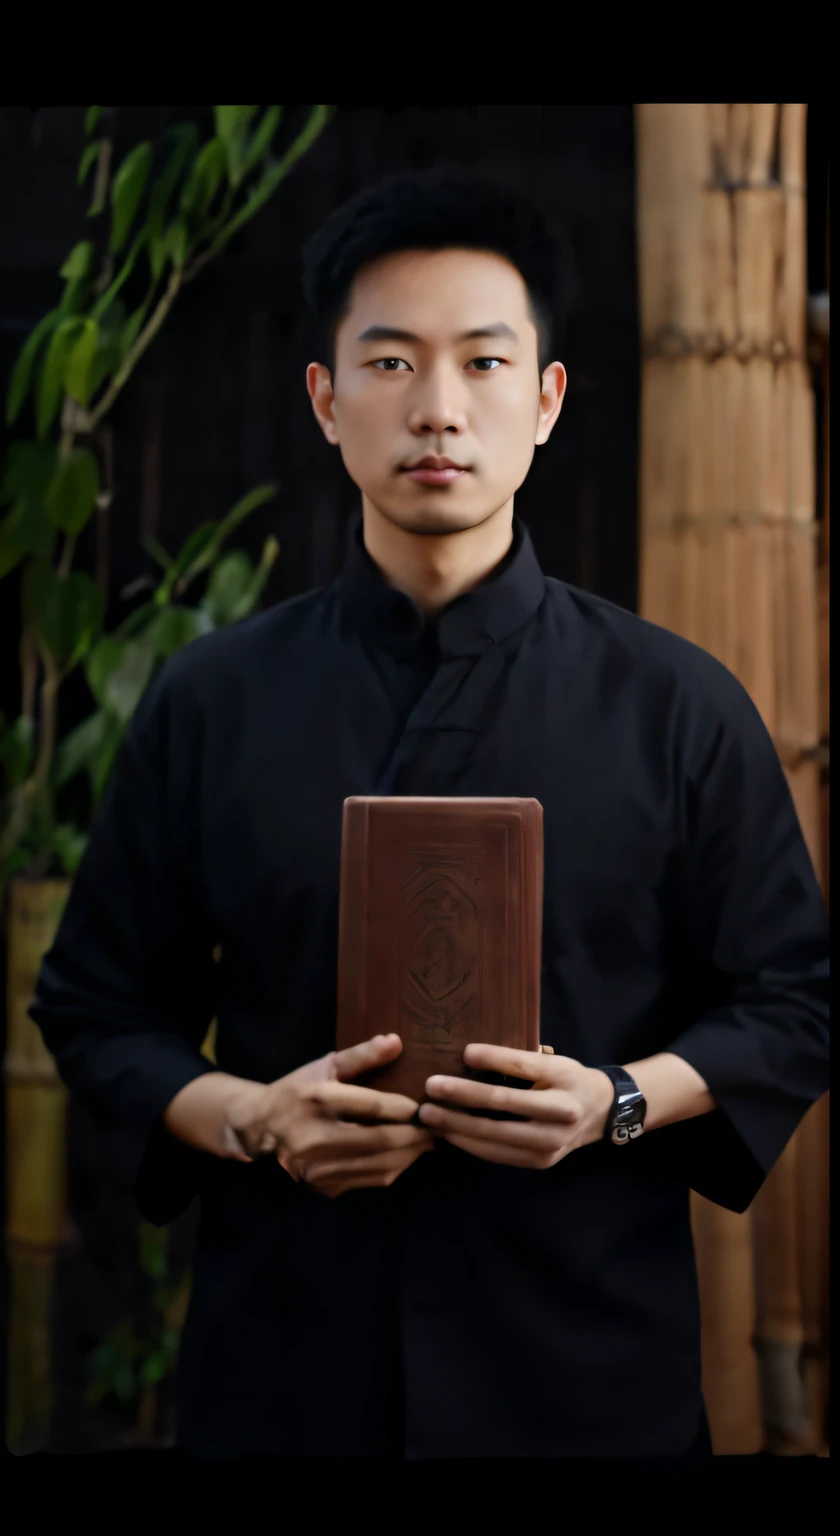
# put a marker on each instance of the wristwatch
(626, 1119)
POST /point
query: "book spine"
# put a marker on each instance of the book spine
(352, 1022)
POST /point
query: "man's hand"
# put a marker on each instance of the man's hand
(566, 1108)
(310, 1120)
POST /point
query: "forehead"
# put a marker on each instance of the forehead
(438, 291)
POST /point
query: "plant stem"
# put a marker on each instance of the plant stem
(103, 175)
(48, 714)
(134, 354)
(28, 671)
(65, 564)
(103, 511)
(146, 1415)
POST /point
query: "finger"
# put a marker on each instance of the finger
(379, 1162)
(351, 1100)
(553, 1104)
(346, 1186)
(369, 1053)
(534, 1066)
(515, 1157)
(325, 1139)
(513, 1133)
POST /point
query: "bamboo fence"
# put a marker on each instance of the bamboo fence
(36, 1176)
(728, 559)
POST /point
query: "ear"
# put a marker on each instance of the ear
(319, 385)
(552, 391)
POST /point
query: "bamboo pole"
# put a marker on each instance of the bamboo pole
(36, 1112)
(727, 559)
(813, 1164)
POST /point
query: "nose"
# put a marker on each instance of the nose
(436, 408)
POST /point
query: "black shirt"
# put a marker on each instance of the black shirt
(471, 1309)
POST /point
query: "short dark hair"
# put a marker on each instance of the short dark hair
(441, 209)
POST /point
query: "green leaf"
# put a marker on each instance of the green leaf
(28, 468)
(102, 766)
(232, 128)
(51, 382)
(100, 662)
(276, 173)
(90, 155)
(80, 748)
(202, 547)
(154, 1368)
(26, 530)
(230, 120)
(245, 506)
(72, 495)
(125, 1384)
(105, 364)
(77, 373)
(153, 1249)
(175, 627)
(261, 141)
(131, 330)
(127, 190)
(199, 541)
(69, 844)
(112, 321)
(250, 597)
(118, 673)
(78, 263)
(22, 371)
(176, 243)
(229, 580)
(182, 140)
(104, 303)
(204, 180)
(157, 551)
(17, 750)
(92, 117)
(67, 612)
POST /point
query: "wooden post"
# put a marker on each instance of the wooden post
(727, 559)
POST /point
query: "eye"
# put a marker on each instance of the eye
(497, 361)
(384, 364)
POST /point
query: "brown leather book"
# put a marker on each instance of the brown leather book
(440, 930)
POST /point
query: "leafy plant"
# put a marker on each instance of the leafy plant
(132, 1362)
(166, 211)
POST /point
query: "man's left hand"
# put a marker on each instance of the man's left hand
(566, 1108)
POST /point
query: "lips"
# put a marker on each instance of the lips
(433, 471)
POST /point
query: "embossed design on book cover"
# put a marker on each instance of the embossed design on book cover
(440, 940)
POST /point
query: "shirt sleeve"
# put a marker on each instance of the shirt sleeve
(755, 956)
(126, 993)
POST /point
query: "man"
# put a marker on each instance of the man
(529, 1288)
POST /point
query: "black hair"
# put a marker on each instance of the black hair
(440, 209)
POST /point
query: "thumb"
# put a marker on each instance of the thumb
(355, 1059)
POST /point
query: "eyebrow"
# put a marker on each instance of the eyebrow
(392, 333)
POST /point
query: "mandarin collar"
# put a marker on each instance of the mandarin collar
(489, 613)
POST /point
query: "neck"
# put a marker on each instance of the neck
(435, 569)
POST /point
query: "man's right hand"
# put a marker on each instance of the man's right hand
(310, 1121)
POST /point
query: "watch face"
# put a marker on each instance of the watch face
(629, 1116)
(622, 1133)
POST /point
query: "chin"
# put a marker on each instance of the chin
(436, 520)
